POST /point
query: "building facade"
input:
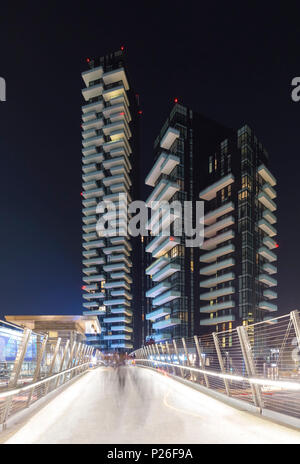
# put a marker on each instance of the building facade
(238, 257)
(110, 164)
(229, 280)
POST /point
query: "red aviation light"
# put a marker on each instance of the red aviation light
(175, 100)
(276, 246)
(88, 60)
(81, 193)
(140, 112)
(83, 287)
(122, 114)
(172, 239)
(122, 48)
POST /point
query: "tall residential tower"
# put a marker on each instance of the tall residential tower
(110, 164)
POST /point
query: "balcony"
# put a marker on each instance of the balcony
(157, 265)
(208, 283)
(94, 175)
(92, 91)
(165, 246)
(94, 312)
(93, 123)
(112, 320)
(90, 270)
(169, 138)
(217, 307)
(218, 320)
(269, 191)
(122, 292)
(158, 313)
(93, 244)
(160, 337)
(213, 295)
(212, 216)
(166, 297)
(114, 92)
(127, 346)
(117, 337)
(211, 192)
(126, 311)
(116, 302)
(269, 268)
(267, 306)
(270, 217)
(94, 193)
(158, 289)
(90, 254)
(267, 254)
(267, 228)
(94, 278)
(93, 296)
(93, 262)
(266, 175)
(214, 268)
(95, 107)
(92, 75)
(117, 284)
(163, 192)
(267, 202)
(166, 323)
(90, 304)
(121, 275)
(212, 243)
(164, 165)
(213, 229)
(270, 243)
(267, 280)
(121, 328)
(270, 294)
(116, 267)
(166, 272)
(214, 255)
(116, 75)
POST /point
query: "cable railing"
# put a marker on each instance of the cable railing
(32, 365)
(258, 364)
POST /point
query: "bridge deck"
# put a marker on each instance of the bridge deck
(141, 406)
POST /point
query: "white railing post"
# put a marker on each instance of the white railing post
(13, 381)
(40, 354)
(201, 360)
(176, 351)
(52, 365)
(249, 363)
(221, 363)
(62, 362)
(171, 368)
(296, 323)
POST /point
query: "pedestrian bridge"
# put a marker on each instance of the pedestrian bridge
(240, 386)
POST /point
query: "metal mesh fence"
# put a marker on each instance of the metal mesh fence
(258, 364)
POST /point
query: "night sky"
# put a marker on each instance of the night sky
(233, 62)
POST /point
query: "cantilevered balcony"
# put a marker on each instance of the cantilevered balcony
(123, 310)
(210, 192)
(212, 256)
(93, 262)
(92, 74)
(115, 91)
(267, 227)
(270, 243)
(212, 243)
(121, 328)
(117, 284)
(269, 190)
(93, 175)
(163, 165)
(267, 306)
(117, 337)
(270, 217)
(116, 302)
(267, 254)
(213, 282)
(214, 228)
(158, 289)
(112, 320)
(217, 307)
(95, 107)
(269, 268)
(169, 138)
(166, 297)
(157, 265)
(158, 313)
(160, 337)
(92, 91)
(164, 191)
(213, 295)
(266, 201)
(94, 296)
(166, 323)
(116, 267)
(155, 243)
(267, 280)
(165, 246)
(94, 312)
(218, 320)
(90, 270)
(116, 75)
(94, 193)
(270, 294)
(212, 216)
(166, 272)
(93, 123)
(216, 267)
(90, 254)
(268, 177)
(125, 345)
(93, 244)
(90, 304)
(94, 278)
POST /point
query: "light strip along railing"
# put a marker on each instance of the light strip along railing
(258, 364)
(32, 365)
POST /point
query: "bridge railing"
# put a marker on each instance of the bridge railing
(32, 365)
(258, 364)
